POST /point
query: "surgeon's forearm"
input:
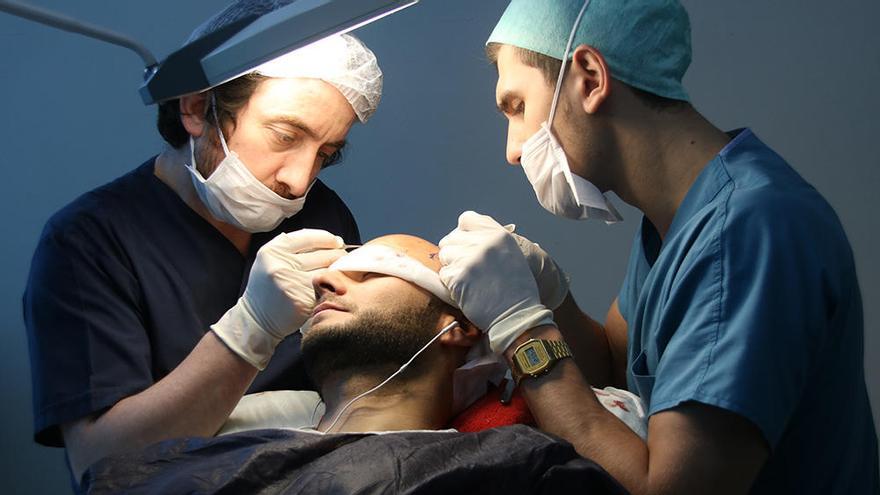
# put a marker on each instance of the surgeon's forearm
(193, 400)
(588, 341)
(691, 448)
(564, 404)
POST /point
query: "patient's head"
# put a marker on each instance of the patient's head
(370, 323)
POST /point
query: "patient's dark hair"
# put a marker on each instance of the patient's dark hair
(550, 66)
(230, 96)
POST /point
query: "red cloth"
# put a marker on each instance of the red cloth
(489, 412)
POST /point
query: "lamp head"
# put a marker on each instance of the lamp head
(250, 33)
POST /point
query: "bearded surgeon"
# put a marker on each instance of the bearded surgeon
(738, 320)
(136, 327)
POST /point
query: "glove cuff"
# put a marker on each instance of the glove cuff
(553, 295)
(555, 299)
(244, 336)
(506, 330)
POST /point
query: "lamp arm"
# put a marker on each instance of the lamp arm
(63, 22)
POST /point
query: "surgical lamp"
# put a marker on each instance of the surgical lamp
(233, 50)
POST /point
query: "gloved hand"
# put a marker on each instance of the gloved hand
(553, 283)
(490, 280)
(279, 296)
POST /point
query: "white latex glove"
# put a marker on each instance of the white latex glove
(553, 283)
(279, 296)
(490, 280)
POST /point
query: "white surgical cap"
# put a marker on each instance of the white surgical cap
(340, 60)
(481, 366)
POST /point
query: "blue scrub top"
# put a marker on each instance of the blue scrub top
(751, 304)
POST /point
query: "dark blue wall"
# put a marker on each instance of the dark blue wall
(803, 73)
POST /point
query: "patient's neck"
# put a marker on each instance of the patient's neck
(422, 403)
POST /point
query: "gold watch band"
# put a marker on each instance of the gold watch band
(558, 349)
(536, 357)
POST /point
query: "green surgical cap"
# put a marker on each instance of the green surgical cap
(646, 43)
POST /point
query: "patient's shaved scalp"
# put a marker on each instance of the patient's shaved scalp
(415, 247)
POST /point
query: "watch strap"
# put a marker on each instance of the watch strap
(556, 350)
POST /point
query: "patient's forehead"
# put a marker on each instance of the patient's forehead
(417, 248)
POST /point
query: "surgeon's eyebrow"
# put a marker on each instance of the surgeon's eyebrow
(505, 104)
(298, 123)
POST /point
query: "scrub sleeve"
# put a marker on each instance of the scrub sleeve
(742, 322)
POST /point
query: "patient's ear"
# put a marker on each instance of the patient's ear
(464, 334)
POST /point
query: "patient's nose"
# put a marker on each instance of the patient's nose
(330, 281)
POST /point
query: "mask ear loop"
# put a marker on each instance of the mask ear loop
(192, 144)
(192, 155)
(217, 121)
(359, 397)
(577, 23)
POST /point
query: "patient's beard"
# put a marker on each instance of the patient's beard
(374, 341)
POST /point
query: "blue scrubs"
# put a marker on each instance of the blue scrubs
(123, 284)
(751, 304)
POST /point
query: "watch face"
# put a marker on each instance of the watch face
(532, 357)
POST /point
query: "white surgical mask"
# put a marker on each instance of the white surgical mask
(233, 195)
(559, 191)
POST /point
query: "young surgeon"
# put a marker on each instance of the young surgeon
(127, 279)
(740, 309)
